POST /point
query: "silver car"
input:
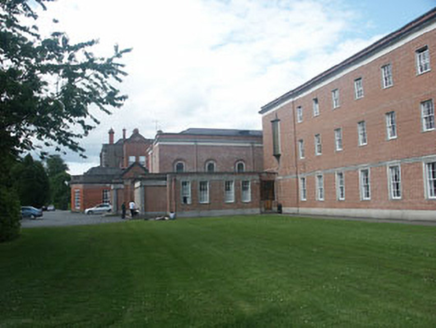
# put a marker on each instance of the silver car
(99, 209)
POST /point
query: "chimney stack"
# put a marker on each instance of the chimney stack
(111, 136)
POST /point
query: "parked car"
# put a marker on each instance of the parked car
(51, 208)
(99, 209)
(30, 212)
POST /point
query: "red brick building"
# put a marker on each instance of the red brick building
(196, 172)
(360, 139)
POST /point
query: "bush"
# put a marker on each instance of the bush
(9, 214)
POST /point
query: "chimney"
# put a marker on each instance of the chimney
(111, 136)
(124, 134)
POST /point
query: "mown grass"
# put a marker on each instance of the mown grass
(259, 271)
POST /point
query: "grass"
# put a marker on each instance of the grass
(258, 271)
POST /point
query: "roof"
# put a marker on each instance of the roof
(388, 40)
(222, 132)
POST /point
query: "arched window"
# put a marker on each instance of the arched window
(179, 167)
(240, 166)
(210, 166)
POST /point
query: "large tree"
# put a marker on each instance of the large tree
(48, 85)
(59, 181)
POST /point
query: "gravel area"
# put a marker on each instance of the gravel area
(66, 218)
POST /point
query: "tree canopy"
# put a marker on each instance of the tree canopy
(48, 83)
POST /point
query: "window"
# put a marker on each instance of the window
(303, 189)
(106, 196)
(229, 191)
(179, 167)
(299, 114)
(132, 159)
(318, 145)
(204, 192)
(335, 98)
(427, 114)
(391, 126)
(358, 88)
(210, 166)
(422, 60)
(361, 128)
(240, 166)
(394, 182)
(301, 148)
(77, 199)
(340, 186)
(315, 107)
(319, 187)
(387, 80)
(365, 187)
(142, 160)
(246, 191)
(338, 139)
(430, 172)
(276, 137)
(186, 192)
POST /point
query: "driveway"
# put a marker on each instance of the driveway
(66, 218)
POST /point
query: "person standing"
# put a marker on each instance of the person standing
(132, 207)
(123, 210)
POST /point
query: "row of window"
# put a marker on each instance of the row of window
(394, 182)
(204, 190)
(422, 66)
(210, 166)
(141, 160)
(427, 118)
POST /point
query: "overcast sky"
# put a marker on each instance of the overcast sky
(214, 63)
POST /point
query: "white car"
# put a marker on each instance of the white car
(99, 209)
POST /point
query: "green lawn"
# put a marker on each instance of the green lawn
(259, 271)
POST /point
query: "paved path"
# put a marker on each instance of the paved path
(66, 218)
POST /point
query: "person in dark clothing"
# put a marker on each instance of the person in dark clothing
(123, 211)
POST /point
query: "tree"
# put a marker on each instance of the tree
(59, 181)
(31, 182)
(48, 85)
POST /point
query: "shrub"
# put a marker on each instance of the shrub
(9, 214)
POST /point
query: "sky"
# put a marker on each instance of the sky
(215, 63)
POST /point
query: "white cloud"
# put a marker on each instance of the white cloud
(206, 63)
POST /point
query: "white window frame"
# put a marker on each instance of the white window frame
(394, 181)
(299, 114)
(338, 139)
(301, 152)
(391, 125)
(229, 191)
(318, 145)
(315, 105)
(203, 192)
(365, 184)
(303, 189)
(340, 185)
(335, 98)
(361, 130)
(387, 78)
(320, 187)
(430, 180)
(106, 196)
(132, 159)
(185, 192)
(275, 126)
(77, 203)
(422, 60)
(246, 192)
(427, 115)
(358, 88)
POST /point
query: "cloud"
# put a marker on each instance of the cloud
(206, 63)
